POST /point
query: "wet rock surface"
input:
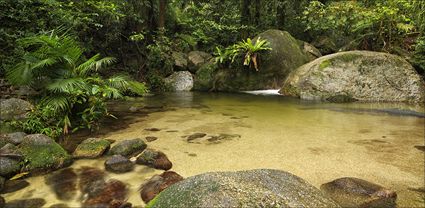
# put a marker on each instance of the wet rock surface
(118, 164)
(195, 136)
(354, 192)
(155, 159)
(14, 185)
(63, 183)
(23, 203)
(114, 193)
(158, 183)
(151, 138)
(91, 148)
(128, 148)
(254, 188)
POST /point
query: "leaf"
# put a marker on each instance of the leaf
(19, 175)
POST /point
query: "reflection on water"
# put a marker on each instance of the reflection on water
(319, 142)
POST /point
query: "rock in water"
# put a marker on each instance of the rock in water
(158, 183)
(180, 81)
(354, 192)
(155, 159)
(128, 148)
(356, 75)
(14, 109)
(274, 65)
(21, 203)
(43, 154)
(91, 148)
(119, 164)
(253, 188)
(63, 183)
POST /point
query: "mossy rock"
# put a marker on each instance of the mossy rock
(14, 109)
(274, 65)
(204, 77)
(91, 148)
(128, 148)
(254, 188)
(356, 75)
(42, 154)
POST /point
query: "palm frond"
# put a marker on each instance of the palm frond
(70, 85)
(21, 74)
(57, 102)
(93, 65)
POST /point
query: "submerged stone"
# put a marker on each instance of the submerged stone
(14, 185)
(118, 164)
(253, 188)
(155, 159)
(63, 183)
(21, 203)
(158, 183)
(195, 136)
(114, 192)
(354, 192)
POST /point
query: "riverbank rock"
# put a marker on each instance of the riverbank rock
(91, 148)
(118, 164)
(10, 160)
(356, 75)
(253, 188)
(155, 159)
(11, 186)
(354, 192)
(205, 76)
(197, 59)
(14, 138)
(158, 183)
(42, 153)
(274, 65)
(2, 181)
(180, 81)
(180, 60)
(14, 109)
(128, 148)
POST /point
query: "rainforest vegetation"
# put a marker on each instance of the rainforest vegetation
(78, 54)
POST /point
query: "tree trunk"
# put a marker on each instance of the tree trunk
(162, 12)
(257, 15)
(281, 13)
(245, 16)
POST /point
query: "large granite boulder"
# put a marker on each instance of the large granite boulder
(128, 148)
(42, 153)
(10, 160)
(356, 75)
(197, 59)
(91, 148)
(13, 138)
(14, 109)
(254, 188)
(180, 60)
(354, 192)
(180, 81)
(274, 66)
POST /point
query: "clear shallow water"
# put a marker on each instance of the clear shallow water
(319, 142)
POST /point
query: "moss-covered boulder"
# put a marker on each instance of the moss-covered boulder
(196, 59)
(128, 148)
(14, 109)
(356, 75)
(204, 77)
(41, 153)
(91, 148)
(355, 192)
(254, 188)
(274, 65)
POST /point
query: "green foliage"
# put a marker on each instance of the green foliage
(377, 25)
(418, 58)
(159, 56)
(247, 48)
(71, 88)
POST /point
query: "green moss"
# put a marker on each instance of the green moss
(324, 64)
(42, 157)
(346, 57)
